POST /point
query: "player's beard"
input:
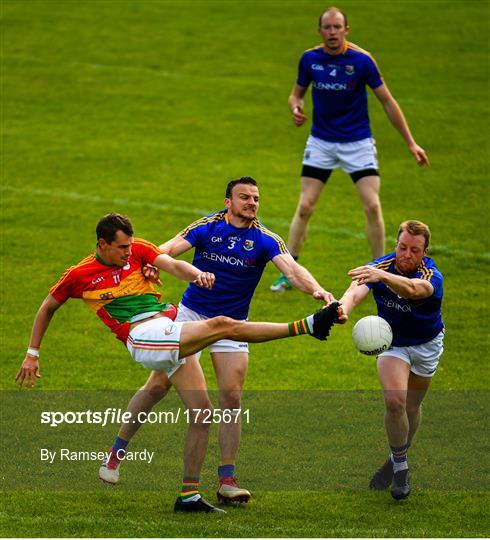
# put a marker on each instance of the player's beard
(247, 215)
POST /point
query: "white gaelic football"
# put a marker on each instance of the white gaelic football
(372, 335)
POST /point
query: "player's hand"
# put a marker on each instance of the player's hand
(321, 294)
(205, 280)
(419, 154)
(342, 317)
(152, 274)
(28, 372)
(299, 117)
(366, 274)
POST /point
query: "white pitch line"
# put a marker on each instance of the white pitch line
(199, 212)
(156, 71)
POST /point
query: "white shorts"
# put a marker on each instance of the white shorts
(422, 359)
(223, 345)
(155, 345)
(350, 157)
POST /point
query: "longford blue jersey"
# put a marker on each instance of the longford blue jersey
(340, 111)
(413, 321)
(237, 257)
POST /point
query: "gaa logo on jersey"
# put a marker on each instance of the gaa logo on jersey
(248, 245)
(349, 70)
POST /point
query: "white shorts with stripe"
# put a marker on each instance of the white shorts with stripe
(223, 345)
(351, 156)
(423, 359)
(155, 345)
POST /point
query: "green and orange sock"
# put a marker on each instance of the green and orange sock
(190, 489)
(303, 326)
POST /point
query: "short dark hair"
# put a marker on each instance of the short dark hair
(243, 180)
(111, 223)
(335, 10)
(415, 228)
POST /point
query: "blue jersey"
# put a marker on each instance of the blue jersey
(413, 321)
(237, 257)
(340, 112)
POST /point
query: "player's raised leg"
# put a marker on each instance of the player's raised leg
(196, 335)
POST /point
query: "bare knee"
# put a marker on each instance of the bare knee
(230, 398)
(201, 415)
(413, 408)
(372, 207)
(395, 404)
(305, 209)
(224, 327)
(157, 386)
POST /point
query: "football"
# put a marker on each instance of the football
(372, 335)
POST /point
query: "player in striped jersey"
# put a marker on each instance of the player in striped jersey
(235, 246)
(339, 73)
(112, 284)
(407, 288)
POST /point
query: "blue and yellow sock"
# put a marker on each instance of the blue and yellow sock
(226, 470)
(119, 444)
(399, 457)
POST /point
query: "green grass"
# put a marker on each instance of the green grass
(149, 108)
(271, 514)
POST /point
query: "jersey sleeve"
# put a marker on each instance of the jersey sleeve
(65, 287)
(146, 251)
(436, 281)
(274, 245)
(374, 77)
(193, 233)
(304, 77)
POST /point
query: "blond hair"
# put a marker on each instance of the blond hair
(415, 227)
(333, 10)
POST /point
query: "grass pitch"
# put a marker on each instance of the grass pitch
(149, 108)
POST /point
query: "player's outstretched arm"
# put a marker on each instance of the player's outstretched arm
(184, 271)
(409, 288)
(301, 278)
(174, 248)
(397, 118)
(29, 370)
(352, 297)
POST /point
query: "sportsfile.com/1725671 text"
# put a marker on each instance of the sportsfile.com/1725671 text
(117, 416)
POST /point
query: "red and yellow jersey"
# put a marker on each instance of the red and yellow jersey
(115, 293)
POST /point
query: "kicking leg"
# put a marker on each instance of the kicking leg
(196, 335)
